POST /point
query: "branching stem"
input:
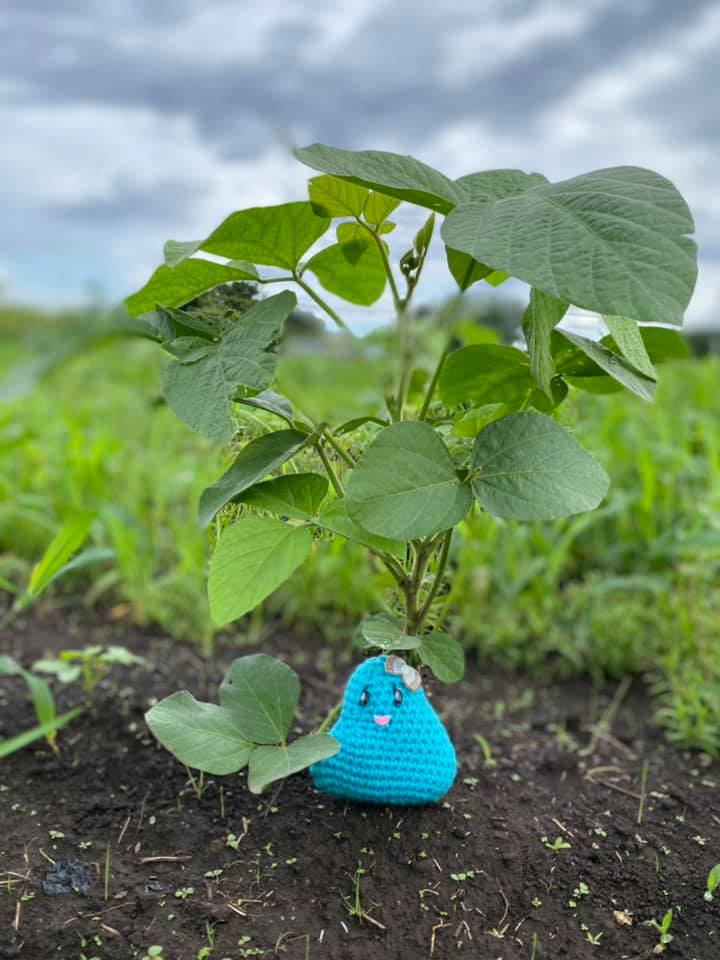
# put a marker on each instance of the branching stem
(332, 476)
(322, 304)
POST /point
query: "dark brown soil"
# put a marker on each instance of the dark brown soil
(276, 876)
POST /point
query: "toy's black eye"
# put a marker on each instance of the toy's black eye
(364, 697)
(397, 697)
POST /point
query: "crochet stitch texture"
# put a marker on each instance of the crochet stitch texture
(393, 747)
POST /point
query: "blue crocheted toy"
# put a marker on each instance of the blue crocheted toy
(393, 747)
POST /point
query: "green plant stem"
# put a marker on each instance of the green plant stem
(330, 718)
(322, 304)
(406, 359)
(643, 794)
(343, 454)
(432, 386)
(413, 587)
(333, 477)
(437, 582)
(395, 568)
(197, 785)
(106, 877)
(397, 300)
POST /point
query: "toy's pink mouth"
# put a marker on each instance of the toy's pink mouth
(382, 720)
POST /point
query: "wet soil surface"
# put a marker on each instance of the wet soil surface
(561, 838)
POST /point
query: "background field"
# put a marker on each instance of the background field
(631, 587)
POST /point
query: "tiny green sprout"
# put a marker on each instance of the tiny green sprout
(232, 841)
(153, 953)
(184, 892)
(580, 891)
(663, 928)
(536, 902)
(557, 845)
(713, 882)
(593, 938)
(461, 877)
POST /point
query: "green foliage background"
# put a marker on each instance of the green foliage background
(629, 587)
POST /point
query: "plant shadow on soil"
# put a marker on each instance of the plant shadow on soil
(276, 875)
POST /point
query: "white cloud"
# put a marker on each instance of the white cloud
(478, 45)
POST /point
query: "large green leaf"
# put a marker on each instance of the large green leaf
(252, 558)
(262, 694)
(614, 365)
(496, 184)
(358, 278)
(201, 383)
(543, 314)
(405, 485)
(393, 174)
(297, 495)
(254, 462)
(614, 241)
(444, 656)
(483, 374)
(530, 468)
(269, 764)
(175, 286)
(274, 236)
(335, 519)
(626, 334)
(331, 197)
(203, 736)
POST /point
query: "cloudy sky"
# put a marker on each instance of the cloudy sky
(126, 122)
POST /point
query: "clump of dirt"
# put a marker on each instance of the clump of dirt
(562, 837)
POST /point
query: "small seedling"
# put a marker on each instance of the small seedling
(199, 786)
(663, 928)
(713, 882)
(60, 557)
(557, 845)
(48, 721)
(354, 903)
(89, 665)
(490, 762)
(580, 891)
(184, 893)
(204, 952)
(153, 953)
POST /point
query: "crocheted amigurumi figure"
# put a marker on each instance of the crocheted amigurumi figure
(393, 747)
